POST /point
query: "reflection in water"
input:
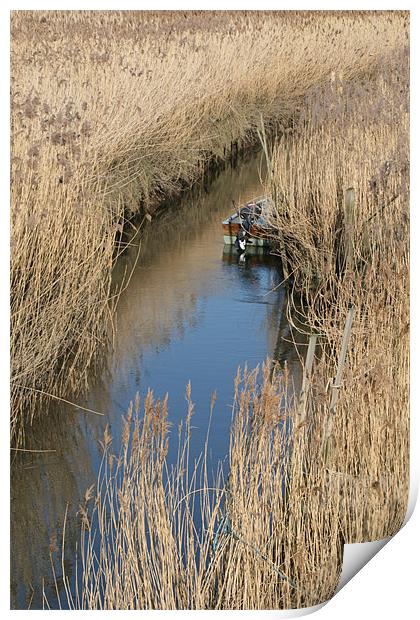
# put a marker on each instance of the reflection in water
(192, 312)
(42, 486)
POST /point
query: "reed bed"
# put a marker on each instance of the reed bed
(355, 135)
(263, 535)
(113, 111)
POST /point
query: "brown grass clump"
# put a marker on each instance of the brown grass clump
(111, 111)
(355, 135)
(155, 537)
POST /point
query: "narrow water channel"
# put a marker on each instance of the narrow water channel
(191, 312)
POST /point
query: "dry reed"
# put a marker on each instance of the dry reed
(111, 111)
(266, 537)
(355, 135)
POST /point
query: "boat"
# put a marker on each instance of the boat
(249, 226)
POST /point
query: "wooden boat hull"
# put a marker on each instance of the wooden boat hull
(262, 242)
(258, 233)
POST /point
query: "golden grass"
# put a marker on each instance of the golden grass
(111, 112)
(355, 134)
(161, 537)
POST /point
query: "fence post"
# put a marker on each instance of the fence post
(336, 385)
(349, 200)
(307, 371)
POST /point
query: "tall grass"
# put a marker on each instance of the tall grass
(265, 536)
(355, 135)
(111, 112)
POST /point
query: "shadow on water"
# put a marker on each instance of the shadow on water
(191, 312)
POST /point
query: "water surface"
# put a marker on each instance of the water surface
(192, 312)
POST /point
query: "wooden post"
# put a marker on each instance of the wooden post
(307, 372)
(349, 199)
(336, 385)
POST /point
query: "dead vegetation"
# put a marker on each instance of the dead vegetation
(266, 534)
(111, 112)
(350, 248)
